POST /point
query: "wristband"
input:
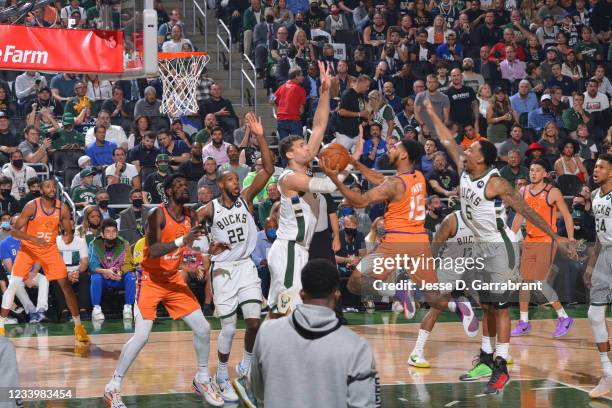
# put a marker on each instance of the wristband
(179, 242)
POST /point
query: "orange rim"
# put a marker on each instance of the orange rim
(162, 56)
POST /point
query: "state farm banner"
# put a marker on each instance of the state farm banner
(59, 49)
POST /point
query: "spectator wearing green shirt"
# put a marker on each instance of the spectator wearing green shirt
(67, 138)
(575, 115)
(588, 51)
(263, 194)
(85, 194)
(513, 171)
(249, 20)
(203, 135)
(79, 105)
(264, 208)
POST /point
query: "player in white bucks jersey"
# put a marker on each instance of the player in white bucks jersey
(452, 244)
(483, 193)
(598, 275)
(234, 278)
(299, 208)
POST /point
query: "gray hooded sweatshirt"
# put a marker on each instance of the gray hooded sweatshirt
(309, 360)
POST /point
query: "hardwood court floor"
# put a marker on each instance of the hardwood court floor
(545, 373)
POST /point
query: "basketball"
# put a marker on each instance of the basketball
(336, 154)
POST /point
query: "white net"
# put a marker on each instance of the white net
(180, 77)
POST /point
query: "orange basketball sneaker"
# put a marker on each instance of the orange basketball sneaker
(81, 334)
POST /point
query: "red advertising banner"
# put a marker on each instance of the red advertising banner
(60, 49)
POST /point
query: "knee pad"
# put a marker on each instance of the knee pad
(228, 329)
(597, 316)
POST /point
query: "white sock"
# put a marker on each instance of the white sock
(246, 359)
(452, 306)
(97, 309)
(222, 373)
(501, 349)
(525, 317)
(605, 363)
(202, 375)
(115, 383)
(77, 320)
(420, 343)
(487, 344)
(561, 313)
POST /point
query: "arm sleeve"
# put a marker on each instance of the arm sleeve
(363, 381)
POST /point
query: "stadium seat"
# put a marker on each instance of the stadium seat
(347, 37)
(569, 184)
(130, 235)
(145, 171)
(119, 193)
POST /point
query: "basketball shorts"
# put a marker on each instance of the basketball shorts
(536, 260)
(285, 261)
(451, 279)
(172, 292)
(235, 284)
(500, 266)
(601, 281)
(49, 258)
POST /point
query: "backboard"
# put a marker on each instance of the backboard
(138, 21)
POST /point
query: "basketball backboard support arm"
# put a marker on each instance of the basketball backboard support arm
(141, 58)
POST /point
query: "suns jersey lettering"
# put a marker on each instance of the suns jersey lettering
(236, 228)
(43, 225)
(171, 229)
(407, 216)
(602, 210)
(540, 204)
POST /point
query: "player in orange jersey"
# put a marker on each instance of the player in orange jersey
(37, 228)
(405, 234)
(168, 230)
(538, 249)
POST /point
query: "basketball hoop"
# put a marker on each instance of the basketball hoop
(180, 74)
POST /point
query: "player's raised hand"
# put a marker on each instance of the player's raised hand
(358, 147)
(325, 76)
(331, 171)
(254, 124)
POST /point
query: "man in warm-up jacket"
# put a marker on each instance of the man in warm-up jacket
(308, 359)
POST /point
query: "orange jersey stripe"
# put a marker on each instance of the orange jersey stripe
(407, 216)
(171, 230)
(539, 203)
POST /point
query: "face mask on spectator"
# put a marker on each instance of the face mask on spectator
(5, 192)
(299, 23)
(579, 207)
(18, 164)
(269, 19)
(35, 193)
(351, 232)
(109, 243)
(438, 210)
(335, 12)
(163, 167)
(347, 211)
(94, 226)
(380, 230)
(271, 234)
(137, 202)
(7, 225)
(103, 203)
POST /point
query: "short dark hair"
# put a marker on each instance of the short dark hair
(215, 129)
(170, 180)
(414, 149)
(164, 131)
(107, 223)
(5, 180)
(422, 31)
(33, 180)
(320, 278)
(488, 151)
(149, 135)
(286, 144)
(99, 127)
(593, 80)
(119, 148)
(28, 128)
(134, 191)
(541, 162)
(607, 157)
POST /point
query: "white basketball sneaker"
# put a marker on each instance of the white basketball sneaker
(96, 314)
(418, 360)
(113, 399)
(208, 390)
(127, 312)
(227, 390)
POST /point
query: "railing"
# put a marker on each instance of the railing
(67, 198)
(252, 82)
(203, 14)
(226, 46)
